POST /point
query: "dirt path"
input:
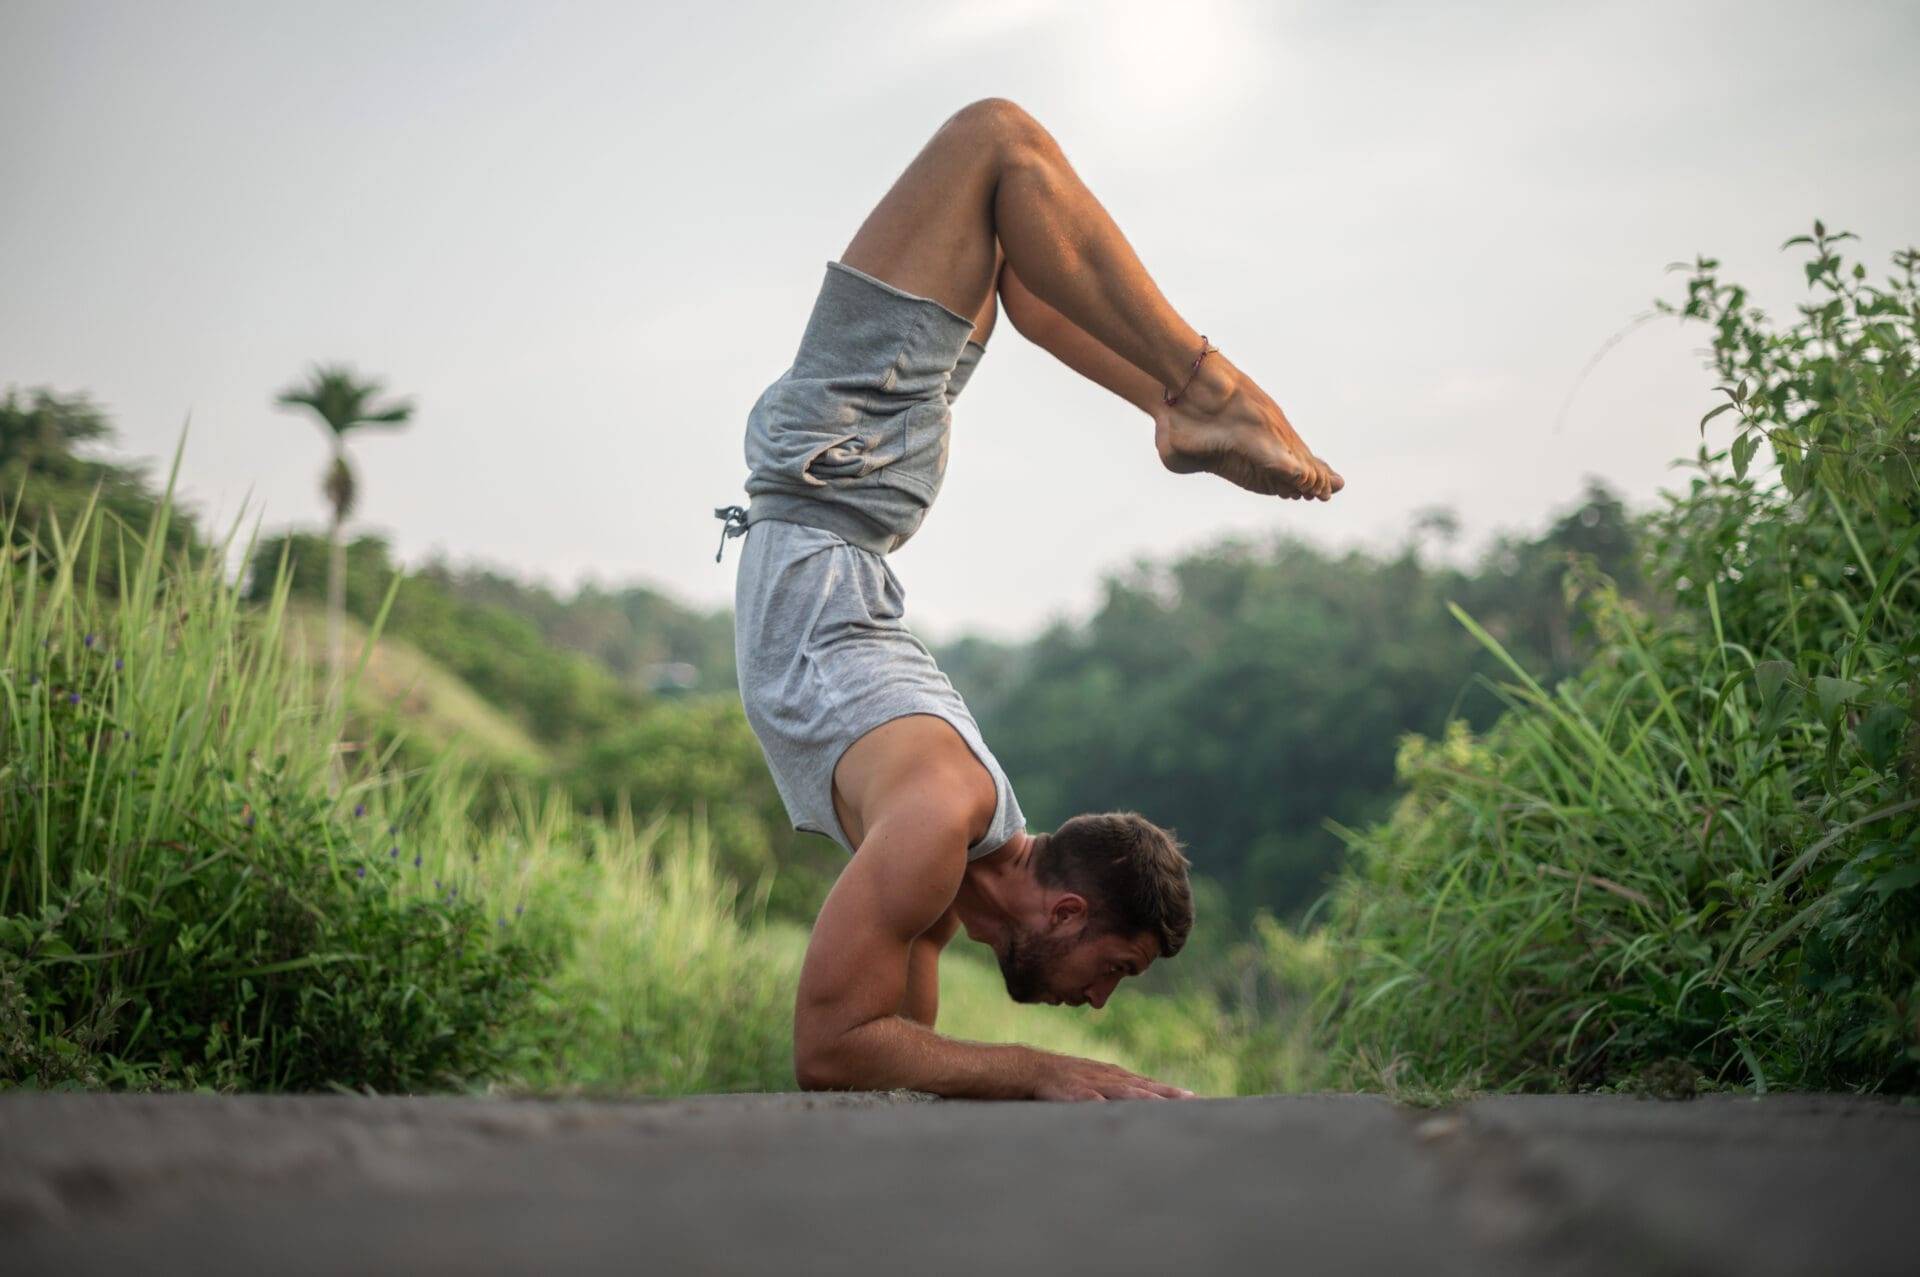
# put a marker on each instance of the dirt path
(804, 1184)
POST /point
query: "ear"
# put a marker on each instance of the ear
(1069, 908)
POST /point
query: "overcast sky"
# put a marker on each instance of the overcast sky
(584, 237)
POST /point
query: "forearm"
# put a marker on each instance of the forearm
(896, 1053)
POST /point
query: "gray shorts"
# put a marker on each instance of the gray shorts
(853, 436)
(825, 657)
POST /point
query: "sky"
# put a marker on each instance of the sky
(584, 237)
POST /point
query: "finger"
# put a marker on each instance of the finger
(1161, 1090)
(1172, 1092)
(1164, 1090)
(1121, 1082)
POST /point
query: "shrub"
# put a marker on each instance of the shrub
(1700, 856)
(182, 900)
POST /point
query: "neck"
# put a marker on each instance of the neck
(997, 889)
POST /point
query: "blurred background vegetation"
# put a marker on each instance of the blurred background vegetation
(1628, 800)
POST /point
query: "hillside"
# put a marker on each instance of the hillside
(403, 691)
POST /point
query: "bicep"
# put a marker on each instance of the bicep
(857, 963)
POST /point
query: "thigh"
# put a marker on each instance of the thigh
(916, 760)
(932, 233)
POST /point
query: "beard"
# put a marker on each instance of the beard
(1029, 959)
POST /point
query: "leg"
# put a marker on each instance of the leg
(993, 179)
(989, 312)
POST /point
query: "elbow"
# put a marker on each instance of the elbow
(812, 1077)
(817, 1067)
(814, 1073)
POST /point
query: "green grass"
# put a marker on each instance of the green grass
(403, 691)
(666, 982)
(1697, 862)
(183, 900)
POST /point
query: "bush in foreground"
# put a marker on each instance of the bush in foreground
(182, 900)
(1699, 859)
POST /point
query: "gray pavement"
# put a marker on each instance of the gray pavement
(850, 1184)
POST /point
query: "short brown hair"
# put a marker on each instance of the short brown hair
(1132, 873)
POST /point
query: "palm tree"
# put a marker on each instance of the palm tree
(343, 402)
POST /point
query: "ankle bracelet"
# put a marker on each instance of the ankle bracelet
(1205, 350)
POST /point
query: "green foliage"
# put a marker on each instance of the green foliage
(561, 698)
(187, 904)
(1700, 856)
(1245, 694)
(1271, 1032)
(344, 402)
(414, 709)
(646, 639)
(697, 755)
(610, 744)
(661, 985)
(182, 903)
(47, 482)
(666, 983)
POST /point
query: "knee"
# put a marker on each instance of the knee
(1000, 122)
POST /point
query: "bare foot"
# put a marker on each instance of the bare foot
(1226, 425)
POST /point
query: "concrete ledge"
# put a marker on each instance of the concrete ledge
(806, 1183)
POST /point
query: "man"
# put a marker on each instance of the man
(867, 741)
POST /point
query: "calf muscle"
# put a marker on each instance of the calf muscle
(1074, 346)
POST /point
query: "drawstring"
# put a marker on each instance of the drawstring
(733, 523)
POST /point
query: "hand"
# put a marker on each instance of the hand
(1065, 1077)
